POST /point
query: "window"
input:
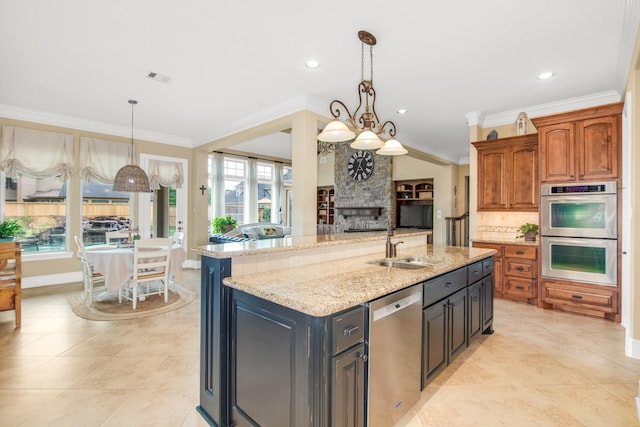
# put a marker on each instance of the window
(36, 167)
(102, 210)
(234, 185)
(39, 205)
(265, 204)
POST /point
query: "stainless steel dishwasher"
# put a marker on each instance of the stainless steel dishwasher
(395, 325)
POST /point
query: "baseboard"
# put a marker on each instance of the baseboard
(632, 347)
(638, 401)
(51, 279)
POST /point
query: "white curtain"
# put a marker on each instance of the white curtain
(217, 196)
(251, 192)
(164, 173)
(101, 159)
(37, 154)
(277, 193)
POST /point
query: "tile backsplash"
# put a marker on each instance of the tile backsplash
(502, 225)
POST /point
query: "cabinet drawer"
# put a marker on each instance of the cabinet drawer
(474, 272)
(347, 329)
(527, 252)
(487, 267)
(603, 300)
(480, 269)
(520, 268)
(520, 287)
(443, 286)
(495, 246)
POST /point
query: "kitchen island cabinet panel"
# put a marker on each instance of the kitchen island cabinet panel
(278, 350)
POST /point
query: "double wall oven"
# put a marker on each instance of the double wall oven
(579, 229)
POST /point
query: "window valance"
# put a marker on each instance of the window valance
(164, 174)
(36, 153)
(101, 159)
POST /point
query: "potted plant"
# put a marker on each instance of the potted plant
(223, 224)
(9, 229)
(528, 231)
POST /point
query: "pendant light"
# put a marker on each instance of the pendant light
(364, 120)
(131, 178)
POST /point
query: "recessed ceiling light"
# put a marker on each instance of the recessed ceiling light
(402, 111)
(545, 76)
(312, 63)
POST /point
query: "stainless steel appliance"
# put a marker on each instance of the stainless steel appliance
(579, 210)
(580, 259)
(394, 355)
(579, 226)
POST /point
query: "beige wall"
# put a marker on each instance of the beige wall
(633, 87)
(326, 171)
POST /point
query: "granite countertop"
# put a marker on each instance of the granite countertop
(328, 288)
(506, 242)
(295, 243)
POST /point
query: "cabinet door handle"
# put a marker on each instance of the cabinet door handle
(520, 287)
(576, 296)
(447, 285)
(520, 268)
(350, 330)
(520, 252)
(474, 298)
(363, 356)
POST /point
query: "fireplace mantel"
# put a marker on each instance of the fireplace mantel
(359, 211)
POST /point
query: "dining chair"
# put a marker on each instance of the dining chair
(89, 277)
(118, 236)
(178, 238)
(151, 259)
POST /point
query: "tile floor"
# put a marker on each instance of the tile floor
(540, 368)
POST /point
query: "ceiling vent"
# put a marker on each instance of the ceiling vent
(158, 77)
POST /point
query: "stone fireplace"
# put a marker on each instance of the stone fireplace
(373, 194)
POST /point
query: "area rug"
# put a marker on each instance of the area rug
(106, 307)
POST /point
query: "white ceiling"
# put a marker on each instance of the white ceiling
(233, 65)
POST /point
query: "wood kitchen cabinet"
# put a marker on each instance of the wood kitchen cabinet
(508, 174)
(515, 271)
(581, 145)
(584, 298)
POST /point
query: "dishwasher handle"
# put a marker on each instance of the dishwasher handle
(393, 307)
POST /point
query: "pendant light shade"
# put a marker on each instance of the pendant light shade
(367, 140)
(392, 148)
(336, 131)
(131, 178)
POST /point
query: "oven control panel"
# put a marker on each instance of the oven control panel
(608, 187)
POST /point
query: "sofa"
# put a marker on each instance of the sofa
(253, 231)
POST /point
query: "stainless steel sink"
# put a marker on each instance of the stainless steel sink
(409, 262)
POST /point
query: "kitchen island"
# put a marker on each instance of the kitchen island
(288, 344)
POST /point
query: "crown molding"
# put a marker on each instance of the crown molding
(18, 113)
(587, 101)
(630, 22)
(264, 116)
(474, 118)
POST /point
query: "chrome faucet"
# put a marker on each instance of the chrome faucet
(390, 246)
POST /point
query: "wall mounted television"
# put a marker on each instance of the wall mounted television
(415, 216)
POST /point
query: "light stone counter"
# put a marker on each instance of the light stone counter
(323, 289)
(296, 243)
(516, 241)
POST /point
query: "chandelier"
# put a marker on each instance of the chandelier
(130, 177)
(364, 118)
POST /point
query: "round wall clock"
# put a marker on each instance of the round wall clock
(360, 165)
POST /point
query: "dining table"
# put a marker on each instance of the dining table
(115, 263)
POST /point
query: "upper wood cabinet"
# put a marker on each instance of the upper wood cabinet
(508, 174)
(581, 145)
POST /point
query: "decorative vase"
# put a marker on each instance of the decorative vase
(529, 236)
